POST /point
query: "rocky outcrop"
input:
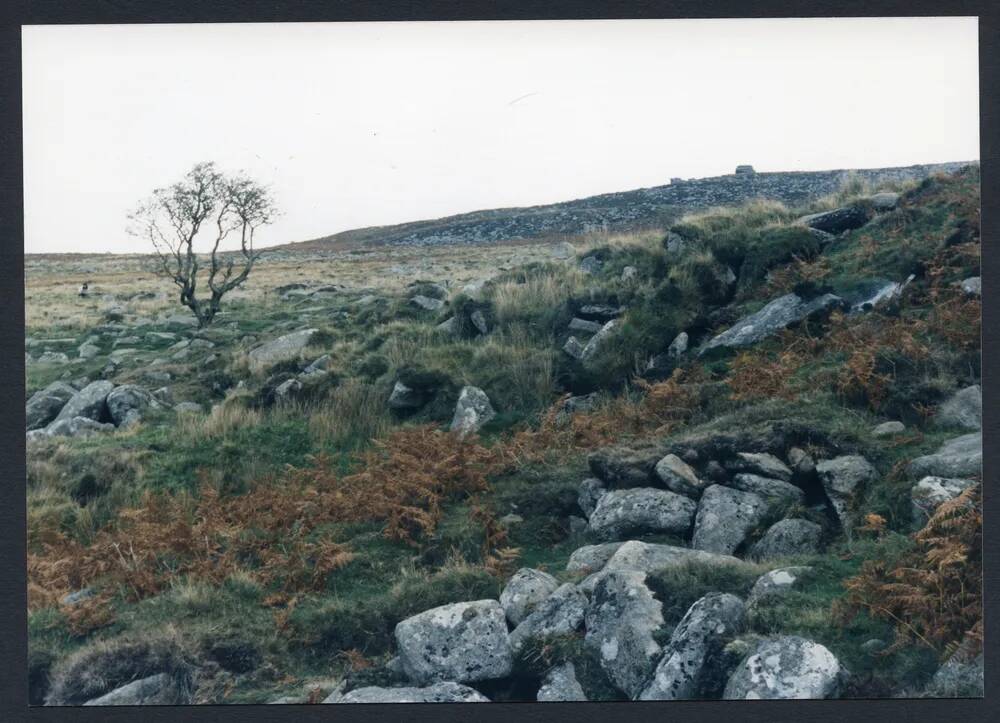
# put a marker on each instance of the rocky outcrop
(44, 406)
(777, 315)
(590, 492)
(461, 642)
(678, 476)
(560, 684)
(561, 613)
(844, 479)
(281, 349)
(646, 557)
(770, 489)
(620, 513)
(761, 464)
(777, 583)
(472, 411)
(127, 403)
(592, 558)
(89, 402)
(447, 692)
(931, 492)
(623, 620)
(524, 591)
(963, 409)
(159, 689)
(787, 667)
(694, 643)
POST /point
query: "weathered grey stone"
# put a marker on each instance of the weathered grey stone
(649, 557)
(879, 294)
(725, 517)
(281, 349)
(287, 390)
(589, 327)
(590, 491)
(560, 684)
(777, 315)
(674, 243)
(958, 457)
(159, 689)
(89, 402)
(844, 480)
(405, 398)
(447, 692)
(591, 558)
(787, 667)
(699, 635)
(639, 510)
(837, 220)
(959, 677)
(598, 340)
(580, 403)
(678, 346)
(462, 642)
(629, 273)
(590, 265)
(623, 620)
(625, 467)
(762, 464)
(777, 583)
(88, 351)
(574, 347)
(964, 409)
(426, 303)
(973, 286)
(53, 357)
(472, 411)
(560, 613)
(884, 200)
(888, 429)
(679, 477)
(788, 537)
(44, 406)
(801, 461)
(448, 326)
(770, 489)
(478, 319)
(75, 427)
(931, 492)
(524, 591)
(127, 403)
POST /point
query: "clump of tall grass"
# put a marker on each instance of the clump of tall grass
(351, 415)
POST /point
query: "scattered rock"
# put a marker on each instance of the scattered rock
(574, 348)
(931, 492)
(281, 349)
(581, 403)
(591, 265)
(641, 510)
(678, 346)
(649, 557)
(958, 457)
(405, 398)
(725, 517)
(844, 479)
(961, 676)
(448, 326)
(561, 613)
(76, 427)
(461, 642)
(597, 340)
(694, 643)
(787, 667)
(52, 357)
(769, 489)
(592, 558)
(964, 409)
(777, 315)
(478, 320)
(622, 621)
(287, 390)
(88, 351)
(524, 591)
(679, 477)
(888, 429)
(560, 684)
(973, 286)
(157, 689)
(589, 327)
(426, 303)
(127, 403)
(447, 692)
(472, 411)
(44, 406)
(602, 312)
(788, 537)
(777, 583)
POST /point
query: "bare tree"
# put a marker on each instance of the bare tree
(205, 203)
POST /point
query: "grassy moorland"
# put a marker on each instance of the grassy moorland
(266, 543)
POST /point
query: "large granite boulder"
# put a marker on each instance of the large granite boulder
(159, 689)
(777, 315)
(761, 464)
(838, 220)
(524, 591)
(787, 667)
(963, 409)
(777, 583)
(591, 558)
(931, 492)
(447, 692)
(678, 476)
(45, 405)
(770, 489)
(844, 480)
(696, 640)
(560, 684)
(725, 517)
(635, 555)
(561, 613)
(598, 340)
(787, 538)
(958, 457)
(620, 513)
(89, 402)
(623, 620)
(127, 403)
(74, 427)
(590, 492)
(461, 642)
(286, 347)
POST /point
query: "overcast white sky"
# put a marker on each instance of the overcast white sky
(366, 124)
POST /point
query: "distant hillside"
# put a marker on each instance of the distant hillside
(622, 211)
